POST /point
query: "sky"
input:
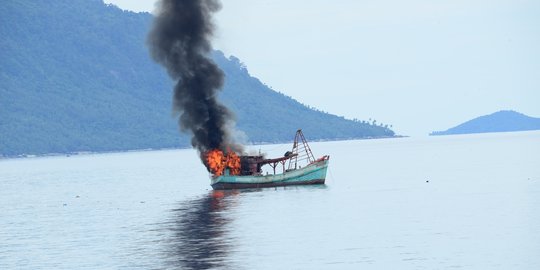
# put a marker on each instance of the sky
(417, 65)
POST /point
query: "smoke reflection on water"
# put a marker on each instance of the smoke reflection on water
(199, 233)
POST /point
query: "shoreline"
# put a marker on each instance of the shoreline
(82, 153)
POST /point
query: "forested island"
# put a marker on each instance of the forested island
(76, 76)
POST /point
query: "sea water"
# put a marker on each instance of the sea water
(449, 202)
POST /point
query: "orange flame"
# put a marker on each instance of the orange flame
(233, 163)
(214, 161)
(217, 162)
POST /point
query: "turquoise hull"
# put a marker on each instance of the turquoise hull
(314, 173)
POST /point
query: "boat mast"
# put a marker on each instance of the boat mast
(302, 151)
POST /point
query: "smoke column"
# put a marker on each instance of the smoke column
(180, 41)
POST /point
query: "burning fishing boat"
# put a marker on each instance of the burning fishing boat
(180, 41)
(298, 167)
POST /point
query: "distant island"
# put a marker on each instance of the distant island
(76, 76)
(502, 121)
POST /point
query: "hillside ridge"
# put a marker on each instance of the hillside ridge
(76, 76)
(501, 121)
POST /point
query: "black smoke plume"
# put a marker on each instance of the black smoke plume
(180, 41)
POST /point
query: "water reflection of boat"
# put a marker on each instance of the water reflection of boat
(250, 176)
(200, 235)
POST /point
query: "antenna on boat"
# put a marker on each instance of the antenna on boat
(302, 151)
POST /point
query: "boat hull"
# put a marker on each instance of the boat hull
(312, 174)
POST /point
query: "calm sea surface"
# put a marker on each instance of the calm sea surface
(469, 202)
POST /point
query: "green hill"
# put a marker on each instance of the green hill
(75, 75)
(502, 121)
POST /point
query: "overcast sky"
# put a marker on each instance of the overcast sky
(418, 65)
